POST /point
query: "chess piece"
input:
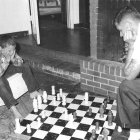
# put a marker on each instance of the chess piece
(54, 100)
(38, 121)
(44, 96)
(60, 92)
(97, 126)
(66, 114)
(39, 99)
(63, 100)
(35, 106)
(90, 111)
(93, 134)
(100, 138)
(28, 128)
(105, 133)
(119, 129)
(105, 103)
(108, 99)
(101, 110)
(53, 90)
(58, 96)
(17, 125)
(43, 114)
(110, 118)
(74, 115)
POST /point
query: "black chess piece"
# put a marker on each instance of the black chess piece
(74, 115)
(101, 110)
(97, 126)
(108, 99)
(110, 118)
(90, 111)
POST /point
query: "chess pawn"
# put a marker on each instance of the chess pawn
(60, 92)
(39, 99)
(53, 90)
(28, 128)
(93, 134)
(101, 111)
(66, 114)
(43, 114)
(90, 111)
(110, 118)
(63, 100)
(58, 97)
(97, 126)
(35, 105)
(54, 100)
(74, 115)
(38, 121)
(44, 96)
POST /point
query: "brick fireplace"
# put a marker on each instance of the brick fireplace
(102, 73)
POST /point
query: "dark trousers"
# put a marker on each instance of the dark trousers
(128, 104)
(5, 91)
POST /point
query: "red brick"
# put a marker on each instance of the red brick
(82, 70)
(88, 77)
(101, 80)
(95, 73)
(106, 69)
(91, 65)
(118, 71)
(112, 70)
(83, 81)
(120, 79)
(96, 66)
(100, 91)
(95, 84)
(85, 64)
(114, 83)
(87, 88)
(108, 87)
(107, 76)
(101, 67)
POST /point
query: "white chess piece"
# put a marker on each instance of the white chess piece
(44, 96)
(66, 114)
(53, 90)
(119, 129)
(39, 121)
(58, 96)
(61, 93)
(35, 106)
(54, 100)
(86, 98)
(17, 125)
(39, 99)
(28, 128)
(63, 100)
(43, 114)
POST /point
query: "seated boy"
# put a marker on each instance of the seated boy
(11, 63)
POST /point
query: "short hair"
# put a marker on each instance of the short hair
(6, 40)
(127, 11)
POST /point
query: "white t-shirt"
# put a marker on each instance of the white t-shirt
(136, 52)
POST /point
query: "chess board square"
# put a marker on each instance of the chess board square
(115, 102)
(90, 116)
(69, 100)
(95, 109)
(83, 127)
(73, 106)
(72, 125)
(109, 127)
(56, 129)
(55, 115)
(84, 103)
(22, 128)
(29, 134)
(35, 124)
(114, 107)
(111, 101)
(99, 99)
(51, 136)
(73, 138)
(79, 134)
(86, 120)
(91, 98)
(71, 96)
(80, 97)
(78, 119)
(36, 113)
(77, 101)
(43, 106)
(50, 97)
(31, 117)
(68, 131)
(50, 107)
(96, 104)
(88, 135)
(61, 105)
(63, 137)
(55, 104)
(50, 120)
(109, 106)
(80, 113)
(101, 122)
(47, 113)
(83, 108)
(46, 126)
(40, 134)
(61, 122)
(59, 109)
(25, 122)
(71, 110)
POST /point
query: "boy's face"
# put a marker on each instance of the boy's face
(9, 51)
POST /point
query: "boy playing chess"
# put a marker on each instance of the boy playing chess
(11, 63)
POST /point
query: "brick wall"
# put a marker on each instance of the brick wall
(101, 77)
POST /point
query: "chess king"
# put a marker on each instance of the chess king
(127, 22)
(11, 63)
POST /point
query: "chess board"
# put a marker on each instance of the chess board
(55, 126)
